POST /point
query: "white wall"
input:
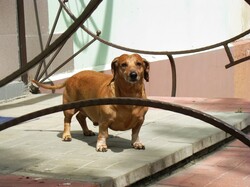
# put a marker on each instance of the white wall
(157, 25)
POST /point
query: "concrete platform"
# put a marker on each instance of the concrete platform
(33, 151)
(13, 90)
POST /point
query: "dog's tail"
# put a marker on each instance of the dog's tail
(54, 87)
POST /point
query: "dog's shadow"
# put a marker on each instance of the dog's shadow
(114, 143)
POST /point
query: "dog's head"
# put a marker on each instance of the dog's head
(132, 68)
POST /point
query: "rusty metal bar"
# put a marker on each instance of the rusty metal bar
(229, 54)
(57, 52)
(50, 62)
(138, 102)
(174, 80)
(22, 38)
(152, 52)
(168, 53)
(43, 62)
(93, 4)
(231, 58)
(44, 54)
(54, 26)
(37, 77)
(237, 62)
(70, 58)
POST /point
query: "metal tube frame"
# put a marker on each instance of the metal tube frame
(78, 22)
(93, 4)
(138, 102)
(170, 54)
(43, 62)
(22, 38)
(37, 76)
(70, 58)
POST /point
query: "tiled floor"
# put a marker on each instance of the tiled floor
(22, 181)
(228, 167)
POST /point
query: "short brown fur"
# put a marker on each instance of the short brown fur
(126, 81)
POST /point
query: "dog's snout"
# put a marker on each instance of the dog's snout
(133, 76)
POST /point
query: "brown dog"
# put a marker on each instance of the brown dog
(127, 81)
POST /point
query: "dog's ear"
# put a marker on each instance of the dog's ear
(114, 68)
(146, 69)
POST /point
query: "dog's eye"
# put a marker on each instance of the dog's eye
(138, 64)
(124, 65)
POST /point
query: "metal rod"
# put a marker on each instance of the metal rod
(70, 58)
(93, 4)
(21, 38)
(229, 54)
(54, 26)
(43, 62)
(50, 62)
(48, 42)
(138, 102)
(174, 80)
(238, 62)
(153, 52)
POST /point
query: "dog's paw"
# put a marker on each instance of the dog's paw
(101, 148)
(138, 145)
(89, 133)
(66, 137)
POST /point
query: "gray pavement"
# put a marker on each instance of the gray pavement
(35, 148)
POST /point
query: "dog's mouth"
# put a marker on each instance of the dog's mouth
(133, 77)
(129, 80)
(132, 81)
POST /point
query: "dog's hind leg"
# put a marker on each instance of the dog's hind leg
(67, 120)
(82, 120)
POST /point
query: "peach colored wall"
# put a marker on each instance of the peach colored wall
(198, 75)
(201, 75)
(9, 38)
(204, 75)
(242, 71)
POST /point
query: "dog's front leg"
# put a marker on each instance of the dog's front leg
(135, 138)
(66, 132)
(101, 145)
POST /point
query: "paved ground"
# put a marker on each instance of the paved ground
(227, 167)
(33, 153)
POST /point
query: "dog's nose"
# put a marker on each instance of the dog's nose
(133, 75)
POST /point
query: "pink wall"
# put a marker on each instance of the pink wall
(202, 75)
(198, 75)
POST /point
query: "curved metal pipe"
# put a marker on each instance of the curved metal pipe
(174, 79)
(139, 102)
(153, 52)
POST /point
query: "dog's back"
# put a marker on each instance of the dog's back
(87, 85)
